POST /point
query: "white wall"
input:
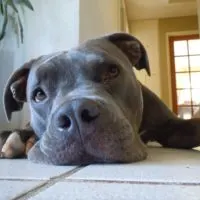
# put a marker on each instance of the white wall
(9, 57)
(53, 27)
(147, 31)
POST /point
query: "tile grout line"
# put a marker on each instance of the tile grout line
(23, 179)
(132, 182)
(36, 190)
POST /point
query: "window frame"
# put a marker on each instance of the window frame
(171, 40)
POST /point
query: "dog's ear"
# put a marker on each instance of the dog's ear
(132, 48)
(15, 90)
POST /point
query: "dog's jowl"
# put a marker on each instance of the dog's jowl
(86, 106)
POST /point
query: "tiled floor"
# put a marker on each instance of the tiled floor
(166, 174)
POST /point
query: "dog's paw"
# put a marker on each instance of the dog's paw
(14, 144)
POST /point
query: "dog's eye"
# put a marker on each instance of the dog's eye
(113, 71)
(39, 95)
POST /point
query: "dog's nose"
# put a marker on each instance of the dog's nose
(76, 112)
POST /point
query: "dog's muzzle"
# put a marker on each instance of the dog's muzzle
(75, 115)
(84, 131)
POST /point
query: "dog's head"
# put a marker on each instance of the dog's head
(86, 104)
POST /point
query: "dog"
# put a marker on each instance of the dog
(87, 106)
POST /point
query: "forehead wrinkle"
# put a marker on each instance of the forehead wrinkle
(43, 71)
(49, 58)
(109, 50)
(82, 57)
(46, 61)
(46, 75)
(56, 66)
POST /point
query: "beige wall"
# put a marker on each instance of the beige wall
(98, 17)
(148, 33)
(166, 26)
(153, 34)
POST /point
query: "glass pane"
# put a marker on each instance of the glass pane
(194, 46)
(184, 97)
(196, 96)
(181, 64)
(180, 48)
(195, 79)
(195, 63)
(182, 80)
(196, 111)
(185, 112)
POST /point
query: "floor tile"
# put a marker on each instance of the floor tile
(11, 189)
(115, 191)
(24, 169)
(162, 165)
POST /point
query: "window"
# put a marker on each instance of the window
(185, 74)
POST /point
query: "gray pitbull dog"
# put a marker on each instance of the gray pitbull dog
(87, 106)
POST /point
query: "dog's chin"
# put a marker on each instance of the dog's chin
(37, 156)
(93, 151)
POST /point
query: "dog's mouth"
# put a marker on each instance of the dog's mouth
(111, 143)
(108, 138)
